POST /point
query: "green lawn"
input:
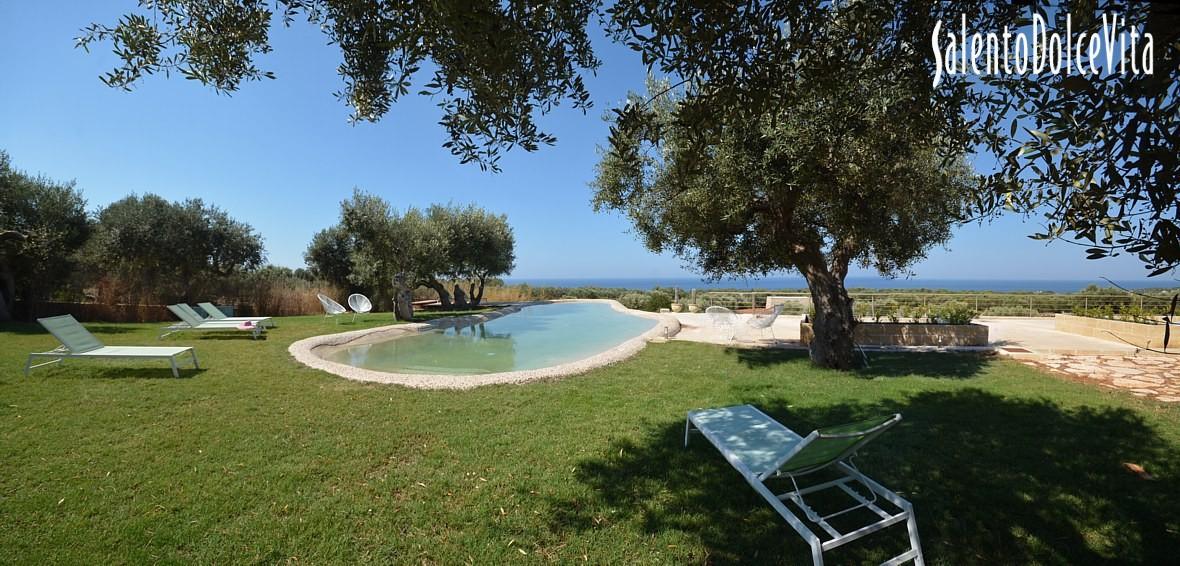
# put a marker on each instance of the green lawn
(258, 459)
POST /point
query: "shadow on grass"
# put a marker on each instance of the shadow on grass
(881, 364)
(244, 336)
(993, 480)
(95, 328)
(76, 370)
(21, 328)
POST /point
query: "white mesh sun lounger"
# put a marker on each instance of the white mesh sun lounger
(214, 314)
(762, 449)
(77, 342)
(190, 321)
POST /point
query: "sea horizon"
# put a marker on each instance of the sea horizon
(795, 283)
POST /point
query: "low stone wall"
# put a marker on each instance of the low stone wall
(1139, 334)
(908, 334)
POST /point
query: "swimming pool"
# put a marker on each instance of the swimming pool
(536, 337)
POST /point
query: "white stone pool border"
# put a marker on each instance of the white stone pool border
(304, 350)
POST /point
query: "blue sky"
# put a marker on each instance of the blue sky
(281, 155)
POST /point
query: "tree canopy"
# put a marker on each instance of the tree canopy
(494, 66)
(825, 181)
(387, 253)
(1098, 157)
(42, 224)
(168, 250)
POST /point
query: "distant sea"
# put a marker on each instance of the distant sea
(795, 283)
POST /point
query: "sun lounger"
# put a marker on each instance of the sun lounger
(190, 321)
(77, 342)
(762, 449)
(214, 314)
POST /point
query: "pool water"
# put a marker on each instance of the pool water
(536, 337)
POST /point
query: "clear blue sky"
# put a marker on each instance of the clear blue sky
(281, 155)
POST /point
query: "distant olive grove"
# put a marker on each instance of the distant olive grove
(147, 250)
(452, 250)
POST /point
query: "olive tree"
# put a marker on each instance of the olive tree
(391, 253)
(1096, 155)
(479, 245)
(170, 250)
(826, 181)
(42, 224)
(493, 66)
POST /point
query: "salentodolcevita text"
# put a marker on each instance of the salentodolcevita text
(1042, 49)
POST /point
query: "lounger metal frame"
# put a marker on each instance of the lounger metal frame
(842, 464)
(255, 330)
(61, 353)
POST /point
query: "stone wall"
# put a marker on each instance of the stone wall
(1139, 334)
(908, 334)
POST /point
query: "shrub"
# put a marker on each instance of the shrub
(954, 312)
(887, 309)
(657, 300)
(636, 301)
(862, 310)
(1005, 310)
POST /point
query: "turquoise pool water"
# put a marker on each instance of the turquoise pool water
(536, 337)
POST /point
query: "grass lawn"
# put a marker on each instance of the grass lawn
(258, 459)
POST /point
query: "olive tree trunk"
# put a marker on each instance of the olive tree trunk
(444, 297)
(476, 294)
(832, 345)
(460, 297)
(403, 304)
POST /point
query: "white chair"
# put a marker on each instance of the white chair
(331, 308)
(724, 320)
(765, 322)
(359, 304)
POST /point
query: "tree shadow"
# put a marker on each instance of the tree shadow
(109, 329)
(993, 480)
(34, 328)
(243, 336)
(881, 364)
(21, 328)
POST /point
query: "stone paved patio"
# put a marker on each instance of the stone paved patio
(1157, 377)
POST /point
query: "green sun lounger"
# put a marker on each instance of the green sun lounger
(762, 449)
(191, 321)
(77, 342)
(214, 314)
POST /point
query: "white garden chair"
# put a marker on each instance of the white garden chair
(331, 308)
(765, 322)
(724, 320)
(359, 304)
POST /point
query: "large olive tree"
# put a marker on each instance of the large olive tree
(823, 183)
(1098, 158)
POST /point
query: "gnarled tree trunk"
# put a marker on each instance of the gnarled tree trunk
(403, 304)
(443, 296)
(7, 278)
(460, 297)
(832, 345)
(475, 296)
